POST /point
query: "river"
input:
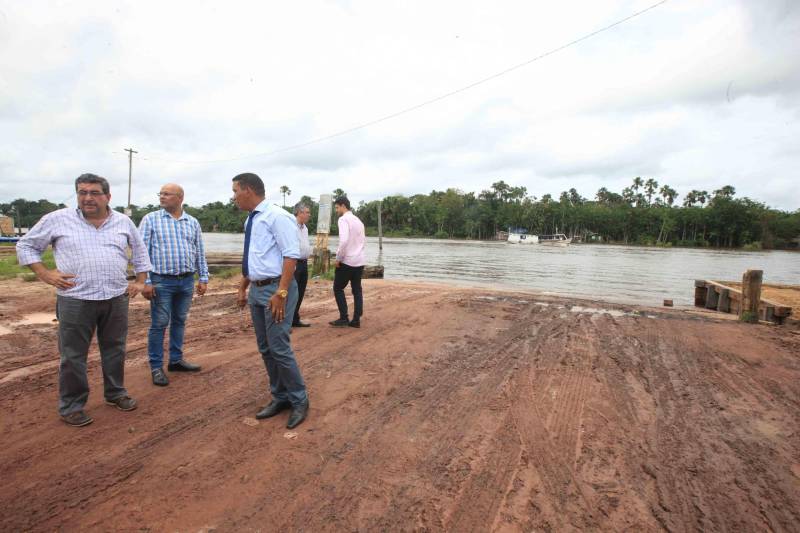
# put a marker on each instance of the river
(623, 274)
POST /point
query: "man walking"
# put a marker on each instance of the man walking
(174, 241)
(349, 264)
(90, 245)
(271, 249)
(302, 213)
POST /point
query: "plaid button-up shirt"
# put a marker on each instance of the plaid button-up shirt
(175, 245)
(97, 257)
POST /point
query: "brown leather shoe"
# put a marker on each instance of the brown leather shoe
(123, 403)
(77, 419)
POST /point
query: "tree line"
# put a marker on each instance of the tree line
(645, 212)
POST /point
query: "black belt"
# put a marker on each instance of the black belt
(302, 260)
(175, 276)
(268, 281)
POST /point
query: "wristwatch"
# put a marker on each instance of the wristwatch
(283, 293)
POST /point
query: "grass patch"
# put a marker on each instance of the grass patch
(10, 268)
(225, 272)
(318, 275)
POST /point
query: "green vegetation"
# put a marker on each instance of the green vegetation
(645, 213)
(9, 267)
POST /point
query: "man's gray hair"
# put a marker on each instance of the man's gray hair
(95, 179)
(299, 207)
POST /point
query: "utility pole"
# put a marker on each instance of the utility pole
(130, 151)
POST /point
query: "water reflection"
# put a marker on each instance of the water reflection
(623, 274)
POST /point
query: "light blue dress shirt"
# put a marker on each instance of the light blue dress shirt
(273, 237)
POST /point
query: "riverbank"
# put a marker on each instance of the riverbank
(451, 409)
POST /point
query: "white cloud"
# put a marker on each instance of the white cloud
(695, 94)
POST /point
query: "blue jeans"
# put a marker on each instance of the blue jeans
(285, 381)
(169, 307)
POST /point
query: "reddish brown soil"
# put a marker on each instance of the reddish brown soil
(450, 410)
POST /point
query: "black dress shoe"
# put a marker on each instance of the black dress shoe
(183, 366)
(300, 325)
(160, 378)
(77, 419)
(354, 324)
(339, 323)
(272, 409)
(297, 416)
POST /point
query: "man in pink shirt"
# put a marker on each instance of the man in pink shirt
(349, 264)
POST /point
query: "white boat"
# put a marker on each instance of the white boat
(522, 238)
(557, 239)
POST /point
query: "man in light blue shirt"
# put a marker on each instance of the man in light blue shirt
(174, 241)
(271, 250)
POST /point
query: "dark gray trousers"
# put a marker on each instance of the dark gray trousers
(77, 321)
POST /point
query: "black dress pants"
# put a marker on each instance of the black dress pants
(301, 276)
(348, 274)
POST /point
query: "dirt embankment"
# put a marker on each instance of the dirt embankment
(451, 409)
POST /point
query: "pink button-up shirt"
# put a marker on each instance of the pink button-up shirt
(351, 241)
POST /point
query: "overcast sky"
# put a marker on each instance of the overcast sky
(694, 93)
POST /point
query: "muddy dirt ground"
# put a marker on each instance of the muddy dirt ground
(452, 409)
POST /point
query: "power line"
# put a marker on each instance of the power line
(422, 104)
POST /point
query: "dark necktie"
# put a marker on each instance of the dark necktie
(247, 230)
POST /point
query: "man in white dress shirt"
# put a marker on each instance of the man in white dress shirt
(302, 213)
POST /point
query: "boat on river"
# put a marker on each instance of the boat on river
(522, 237)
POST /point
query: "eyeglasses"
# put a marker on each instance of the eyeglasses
(160, 194)
(93, 194)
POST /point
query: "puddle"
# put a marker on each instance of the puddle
(29, 320)
(36, 318)
(596, 311)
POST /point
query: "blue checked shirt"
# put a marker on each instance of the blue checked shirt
(175, 245)
(97, 257)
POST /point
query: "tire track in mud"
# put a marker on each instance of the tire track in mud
(439, 429)
(65, 493)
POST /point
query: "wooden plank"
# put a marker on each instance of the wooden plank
(724, 303)
(712, 298)
(700, 296)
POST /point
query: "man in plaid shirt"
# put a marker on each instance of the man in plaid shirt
(174, 240)
(90, 245)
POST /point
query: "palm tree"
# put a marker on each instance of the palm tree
(725, 192)
(690, 198)
(337, 193)
(650, 187)
(669, 194)
(637, 184)
(284, 191)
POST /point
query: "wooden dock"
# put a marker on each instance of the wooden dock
(727, 297)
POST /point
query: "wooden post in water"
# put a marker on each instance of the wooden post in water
(751, 295)
(380, 227)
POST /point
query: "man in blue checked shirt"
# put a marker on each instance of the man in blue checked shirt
(174, 241)
(271, 250)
